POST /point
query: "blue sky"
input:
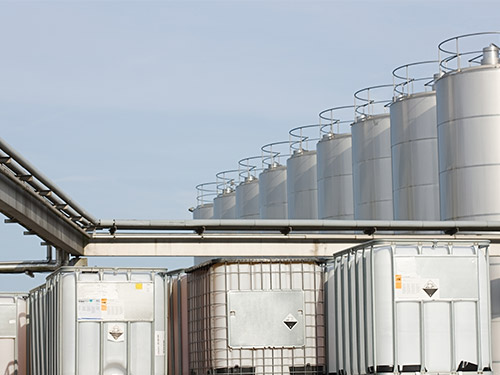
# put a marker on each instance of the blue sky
(127, 105)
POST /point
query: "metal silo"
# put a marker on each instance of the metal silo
(334, 159)
(468, 118)
(301, 175)
(415, 180)
(247, 192)
(225, 201)
(205, 208)
(272, 181)
(371, 154)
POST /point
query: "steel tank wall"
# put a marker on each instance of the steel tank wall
(272, 196)
(13, 334)
(302, 197)
(99, 321)
(247, 199)
(415, 178)
(225, 206)
(203, 211)
(371, 168)
(227, 300)
(468, 117)
(409, 307)
(334, 170)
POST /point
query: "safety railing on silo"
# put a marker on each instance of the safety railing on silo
(336, 120)
(226, 181)
(462, 51)
(250, 167)
(373, 100)
(275, 153)
(206, 192)
(414, 78)
(304, 137)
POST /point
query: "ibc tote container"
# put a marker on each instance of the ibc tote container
(99, 321)
(256, 316)
(409, 307)
(13, 318)
(178, 357)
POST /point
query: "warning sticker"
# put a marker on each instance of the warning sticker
(116, 332)
(290, 321)
(431, 288)
(398, 282)
(415, 288)
(160, 343)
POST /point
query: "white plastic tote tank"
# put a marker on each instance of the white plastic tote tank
(99, 321)
(409, 306)
(13, 345)
(334, 158)
(415, 178)
(272, 181)
(468, 117)
(256, 316)
(371, 154)
(302, 180)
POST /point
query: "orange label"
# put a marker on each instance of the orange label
(104, 306)
(398, 282)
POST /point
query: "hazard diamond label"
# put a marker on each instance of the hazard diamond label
(290, 321)
(430, 288)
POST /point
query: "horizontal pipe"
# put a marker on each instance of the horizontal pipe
(41, 177)
(301, 225)
(33, 266)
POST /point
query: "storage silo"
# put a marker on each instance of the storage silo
(468, 123)
(247, 192)
(207, 191)
(371, 154)
(415, 178)
(272, 181)
(302, 182)
(334, 159)
(225, 201)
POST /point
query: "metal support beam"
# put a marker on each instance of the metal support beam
(28, 209)
(255, 244)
